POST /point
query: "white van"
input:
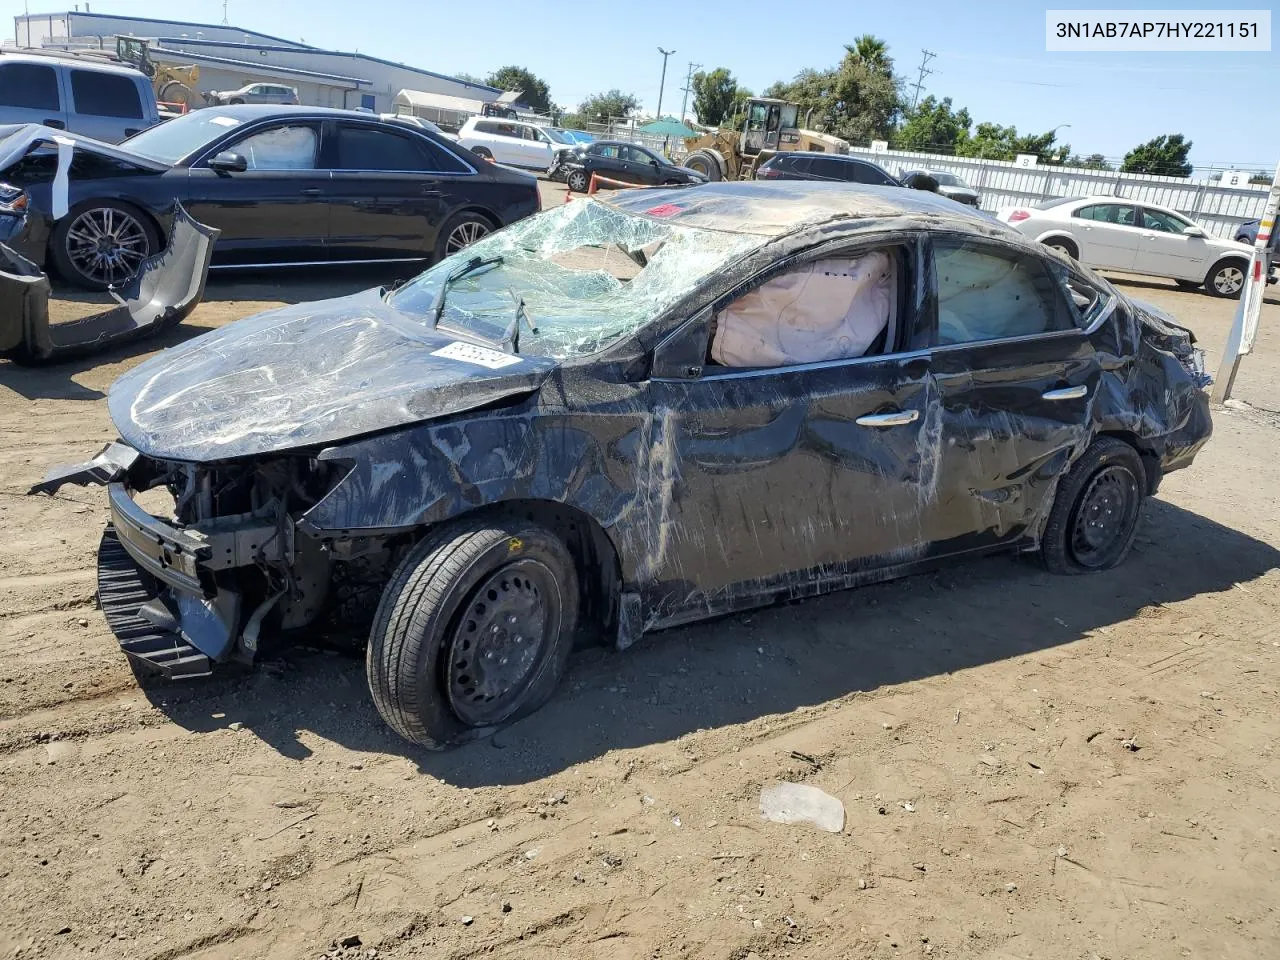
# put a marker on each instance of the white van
(512, 142)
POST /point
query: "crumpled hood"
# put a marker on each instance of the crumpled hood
(308, 375)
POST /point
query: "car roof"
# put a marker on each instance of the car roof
(775, 208)
(71, 60)
(246, 112)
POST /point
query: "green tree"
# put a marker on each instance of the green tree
(533, 90)
(714, 94)
(612, 103)
(469, 78)
(1094, 161)
(933, 127)
(859, 99)
(1261, 177)
(994, 142)
(1165, 156)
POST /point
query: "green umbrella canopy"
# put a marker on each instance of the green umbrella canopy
(667, 127)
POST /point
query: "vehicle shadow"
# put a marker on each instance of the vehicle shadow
(742, 667)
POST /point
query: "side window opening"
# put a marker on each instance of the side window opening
(834, 308)
(985, 293)
(280, 148)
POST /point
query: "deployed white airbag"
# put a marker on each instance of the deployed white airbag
(826, 310)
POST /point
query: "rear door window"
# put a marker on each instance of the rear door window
(105, 95)
(991, 293)
(367, 148)
(1163, 222)
(32, 86)
(863, 173)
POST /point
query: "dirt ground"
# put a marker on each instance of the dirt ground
(1031, 766)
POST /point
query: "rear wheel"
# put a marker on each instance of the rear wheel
(482, 152)
(236, 100)
(461, 231)
(1226, 279)
(1095, 512)
(473, 632)
(578, 181)
(1063, 246)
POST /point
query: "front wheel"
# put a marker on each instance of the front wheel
(102, 243)
(473, 632)
(1064, 247)
(1095, 512)
(578, 181)
(1226, 279)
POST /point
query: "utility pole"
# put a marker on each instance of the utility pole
(924, 72)
(225, 21)
(688, 83)
(663, 82)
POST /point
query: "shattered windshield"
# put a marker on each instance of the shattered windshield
(577, 278)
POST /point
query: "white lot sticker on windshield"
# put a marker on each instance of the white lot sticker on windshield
(482, 356)
(225, 121)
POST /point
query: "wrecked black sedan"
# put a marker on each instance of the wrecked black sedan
(625, 414)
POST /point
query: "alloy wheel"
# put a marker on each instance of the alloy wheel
(107, 245)
(465, 234)
(1228, 280)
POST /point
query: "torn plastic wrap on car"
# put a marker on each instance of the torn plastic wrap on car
(165, 290)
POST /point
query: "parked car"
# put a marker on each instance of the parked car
(422, 123)
(619, 160)
(949, 185)
(255, 93)
(105, 101)
(1113, 233)
(565, 432)
(1247, 233)
(284, 185)
(839, 167)
(513, 142)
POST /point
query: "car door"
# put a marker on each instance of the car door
(276, 210)
(1165, 251)
(606, 160)
(391, 191)
(1108, 234)
(787, 476)
(105, 106)
(31, 93)
(1016, 377)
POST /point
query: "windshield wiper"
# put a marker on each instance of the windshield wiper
(468, 268)
(513, 329)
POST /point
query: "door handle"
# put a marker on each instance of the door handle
(430, 192)
(312, 192)
(1066, 393)
(898, 419)
(56, 124)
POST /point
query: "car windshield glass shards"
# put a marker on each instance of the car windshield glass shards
(578, 277)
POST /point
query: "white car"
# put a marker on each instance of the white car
(1118, 234)
(512, 142)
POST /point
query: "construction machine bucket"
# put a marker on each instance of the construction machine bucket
(164, 291)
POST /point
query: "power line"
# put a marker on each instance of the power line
(688, 83)
(924, 72)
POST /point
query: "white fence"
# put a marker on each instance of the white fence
(1002, 183)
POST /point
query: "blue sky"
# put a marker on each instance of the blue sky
(990, 57)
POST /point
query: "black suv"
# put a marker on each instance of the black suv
(810, 165)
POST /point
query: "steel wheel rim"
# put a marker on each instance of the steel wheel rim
(503, 637)
(465, 234)
(1228, 280)
(578, 181)
(1104, 516)
(106, 245)
(1061, 248)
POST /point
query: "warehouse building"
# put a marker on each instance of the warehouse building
(230, 57)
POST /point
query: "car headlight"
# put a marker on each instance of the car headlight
(13, 200)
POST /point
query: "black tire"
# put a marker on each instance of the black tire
(70, 244)
(577, 181)
(235, 100)
(703, 162)
(1063, 245)
(460, 231)
(1226, 278)
(1082, 534)
(434, 619)
(482, 152)
(1188, 284)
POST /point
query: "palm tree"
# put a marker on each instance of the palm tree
(871, 50)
